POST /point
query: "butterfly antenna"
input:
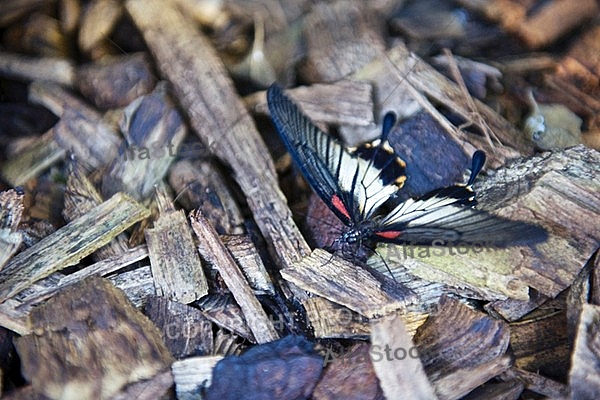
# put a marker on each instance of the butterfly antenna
(476, 166)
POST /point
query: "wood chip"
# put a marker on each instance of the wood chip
(344, 283)
(176, 266)
(400, 375)
(185, 330)
(213, 251)
(584, 375)
(11, 211)
(192, 375)
(89, 342)
(70, 244)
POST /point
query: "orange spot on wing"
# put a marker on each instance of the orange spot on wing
(339, 205)
(389, 234)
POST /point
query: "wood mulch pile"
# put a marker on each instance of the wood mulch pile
(157, 242)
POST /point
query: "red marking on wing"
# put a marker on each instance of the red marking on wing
(339, 205)
(389, 234)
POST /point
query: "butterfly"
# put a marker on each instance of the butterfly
(361, 186)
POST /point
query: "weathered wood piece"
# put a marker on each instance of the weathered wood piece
(117, 81)
(70, 243)
(345, 102)
(11, 211)
(89, 342)
(97, 21)
(349, 375)
(331, 320)
(137, 284)
(213, 251)
(81, 129)
(218, 117)
(158, 387)
(56, 70)
(223, 311)
(584, 377)
(400, 375)
(153, 129)
(106, 266)
(32, 160)
(192, 374)
(333, 53)
(175, 262)
(468, 337)
(538, 383)
(79, 198)
(344, 283)
(186, 332)
(199, 185)
(246, 255)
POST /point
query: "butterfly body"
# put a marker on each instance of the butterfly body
(361, 186)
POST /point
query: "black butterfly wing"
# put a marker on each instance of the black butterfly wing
(447, 215)
(352, 186)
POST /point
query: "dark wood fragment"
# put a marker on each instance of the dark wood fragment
(584, 376)
(461, 348)
(348, 376)
(509, 390)
(92, 342)
(153, 129)
(287, 368)
(540, 343)
(185, 331)
(116, 82)
(224, 312)
(199, 185)
(332, 52)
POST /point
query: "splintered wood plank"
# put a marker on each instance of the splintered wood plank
(71, 243)
(347, 284)
(174, 259)
(213, 250)
(400, 375)
(101, 268)
(584, 377)
(207, 95)
(92, 341)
